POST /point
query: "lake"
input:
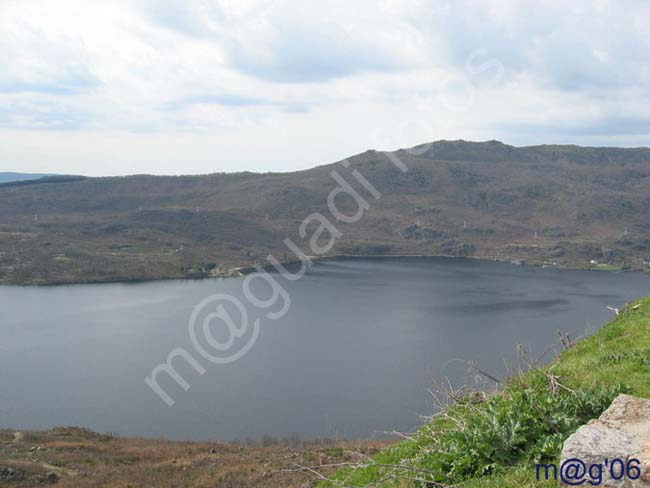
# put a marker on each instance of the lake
(356, 355)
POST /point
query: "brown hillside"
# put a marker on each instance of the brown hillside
(566, 205)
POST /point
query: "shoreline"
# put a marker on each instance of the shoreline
(239, 271)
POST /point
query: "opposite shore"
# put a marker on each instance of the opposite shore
(236, 270)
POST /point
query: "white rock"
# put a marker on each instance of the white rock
(622, 432)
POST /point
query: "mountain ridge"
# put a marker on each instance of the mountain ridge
(548, 205)
(10, 176)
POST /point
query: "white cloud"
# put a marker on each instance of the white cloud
(200, 85)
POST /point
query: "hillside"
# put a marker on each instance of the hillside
(6, 177)
(555, 205)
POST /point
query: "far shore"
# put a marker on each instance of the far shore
(235, 271)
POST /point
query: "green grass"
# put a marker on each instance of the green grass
(617, 353)
(497, 441)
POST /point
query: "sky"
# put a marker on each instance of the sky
(202, 86)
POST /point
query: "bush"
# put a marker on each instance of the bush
(529, 422)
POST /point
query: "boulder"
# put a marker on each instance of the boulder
(611, 451)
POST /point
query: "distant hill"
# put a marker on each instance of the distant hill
(7, 177)
(554, 205)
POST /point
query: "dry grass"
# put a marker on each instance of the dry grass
(73, 457)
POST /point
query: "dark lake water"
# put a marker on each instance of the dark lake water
(355, 355)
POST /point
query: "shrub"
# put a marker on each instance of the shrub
(528, 422)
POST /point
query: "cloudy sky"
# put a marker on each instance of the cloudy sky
(199, 86)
